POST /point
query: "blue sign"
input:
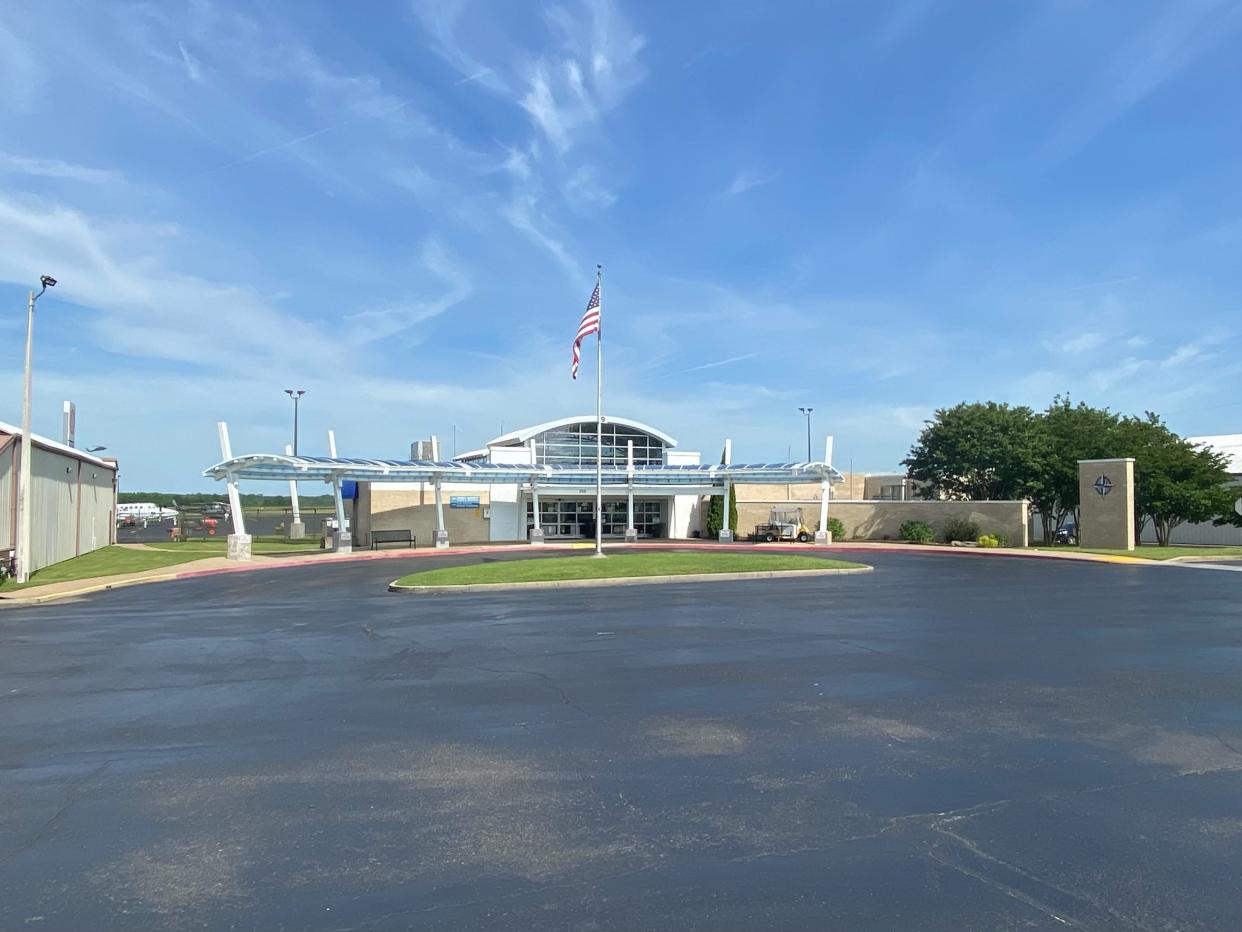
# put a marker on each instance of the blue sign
(1103, 486)
(463, 501)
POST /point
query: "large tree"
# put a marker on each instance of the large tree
(1174, 481)
(1067, 433)
(977, 451)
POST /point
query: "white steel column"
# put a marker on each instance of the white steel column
(823, 535)
(342, 540)
(536, 531)
(297, 530)
(442, 538)
(631, 533)
(239, 540)
(726, 532)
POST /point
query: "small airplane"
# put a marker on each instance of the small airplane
(133, 512)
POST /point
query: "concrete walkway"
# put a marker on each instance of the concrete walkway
(212, 565)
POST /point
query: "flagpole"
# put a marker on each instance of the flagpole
(599, 418)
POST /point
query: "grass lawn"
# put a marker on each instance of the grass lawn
(1157, 553)
(665, 563)
(107, 561)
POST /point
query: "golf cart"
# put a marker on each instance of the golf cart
(784, 524)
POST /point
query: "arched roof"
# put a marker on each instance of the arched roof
(519, 437)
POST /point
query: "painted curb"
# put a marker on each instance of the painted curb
(624, 581)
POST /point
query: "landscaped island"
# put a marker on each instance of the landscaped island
(622, 566)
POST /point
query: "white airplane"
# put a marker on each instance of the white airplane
(144, 511)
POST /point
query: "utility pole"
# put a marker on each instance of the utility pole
(296, 394)
(807, 412)
(25, 500)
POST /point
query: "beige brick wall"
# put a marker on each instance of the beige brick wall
(399, 510)
(883, 520)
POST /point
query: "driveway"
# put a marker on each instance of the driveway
(947, 743)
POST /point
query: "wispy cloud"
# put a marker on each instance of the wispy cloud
(193, 69)
(748, 180)
(717, 364)
(54, 168)
(523, 214)
(379, 323)
(110, 269)
(1083, 343)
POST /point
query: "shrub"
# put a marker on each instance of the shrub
(918, 532)
(960, 529)
(836, 528)
(987, 540)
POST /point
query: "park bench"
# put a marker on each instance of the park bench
(392, 537)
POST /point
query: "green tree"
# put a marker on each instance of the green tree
(1174, 481)
(977, 451)
(1067, 433)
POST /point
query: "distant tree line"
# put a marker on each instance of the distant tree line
(250, 500)
(995, 451)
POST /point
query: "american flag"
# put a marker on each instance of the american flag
(588, 325)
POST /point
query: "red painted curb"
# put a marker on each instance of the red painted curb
(669, 545)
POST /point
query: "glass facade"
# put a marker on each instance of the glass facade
(575, 517)
(574, 445)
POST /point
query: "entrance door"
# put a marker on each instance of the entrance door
(570, 518)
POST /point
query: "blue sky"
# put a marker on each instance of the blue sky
(875, 209)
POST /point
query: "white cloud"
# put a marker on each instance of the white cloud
(193, 69)
(595, 69)
(585, 191)
(718, 363)
(379, 323)
(1083, 343)
(441, 18)
(1184, 353)
(146, 309)
(54, 168)
(523, 214)
(748, 180)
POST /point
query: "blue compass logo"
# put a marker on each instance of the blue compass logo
(1103, 485)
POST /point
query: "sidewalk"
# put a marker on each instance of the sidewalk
(210, 566)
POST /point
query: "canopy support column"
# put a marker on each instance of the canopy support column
(442, 538)
(823, 535)
(536, 530)
(297, 530)
(342, 541)
(239, 540)
(631, 533)
(726, 532)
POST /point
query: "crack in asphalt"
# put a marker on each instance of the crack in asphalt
(545, 680)
(74, 793)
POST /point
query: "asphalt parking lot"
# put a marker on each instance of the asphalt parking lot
(947, 743)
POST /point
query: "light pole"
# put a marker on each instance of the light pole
(296, 394)
(807, 412)
(24, 502)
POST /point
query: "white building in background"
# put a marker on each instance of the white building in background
(73, 499)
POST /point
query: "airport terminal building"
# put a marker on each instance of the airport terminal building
(539, 483)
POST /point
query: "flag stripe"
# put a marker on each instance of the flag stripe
(589, 324)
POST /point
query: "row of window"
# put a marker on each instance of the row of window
(575, 445)
(576, 518)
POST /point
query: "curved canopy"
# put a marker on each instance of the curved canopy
(279, 467)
